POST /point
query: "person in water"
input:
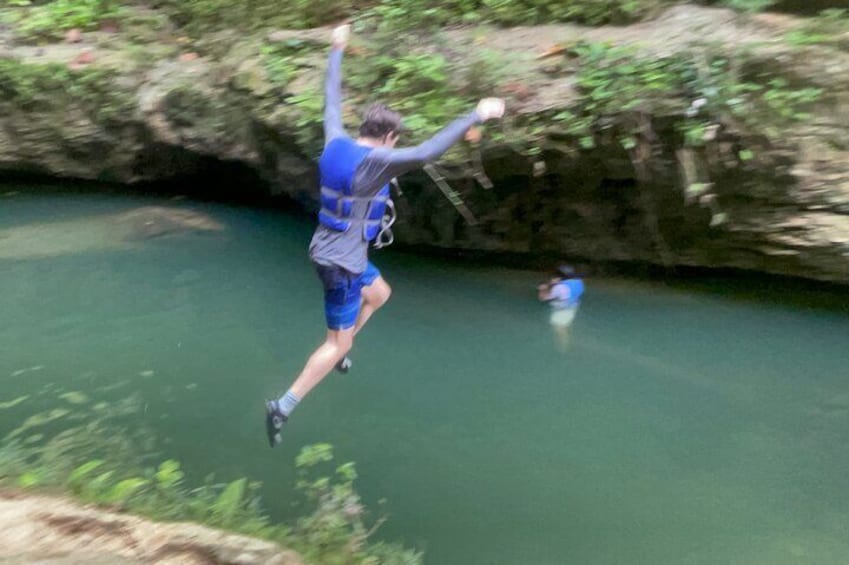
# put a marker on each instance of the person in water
(563, 293)
(355, 201)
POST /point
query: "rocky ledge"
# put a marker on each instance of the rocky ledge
(775, 202)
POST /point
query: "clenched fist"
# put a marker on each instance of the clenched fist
(489, 108)
(340, 35)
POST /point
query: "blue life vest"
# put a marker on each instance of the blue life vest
(575, 289)
(338, 165)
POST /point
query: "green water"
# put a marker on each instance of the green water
(677, 425)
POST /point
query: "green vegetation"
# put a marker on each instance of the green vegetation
(282, 61)
(429, 86)
(100, 455)
(198, 16)
(416, 83)
(51, 19)
(42, 87)
(749, 6)
(703, 89)
(707, 93)
(404, 14)
(703, 96)
(335, 532)
(623, 98)
(309, 120)
(210, 14)
(47, 20)
(829, 28)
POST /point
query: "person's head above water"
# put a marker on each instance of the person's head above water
(566, 271)
(381, 126)
(563, 289)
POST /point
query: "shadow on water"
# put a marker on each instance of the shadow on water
(238, 186)
(214, 181)
(733, 284)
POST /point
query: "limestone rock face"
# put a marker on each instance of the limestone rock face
(785, 210)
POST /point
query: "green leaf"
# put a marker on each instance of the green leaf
(95, 487)
(169, 474)
(28, 479)
(125, 489)
(348, 471)
(696, 189)
(230, 500)
(312, 455)
(718, 219)
(587, 142)
(78, 474)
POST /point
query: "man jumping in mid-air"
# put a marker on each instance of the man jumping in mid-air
(354, 197)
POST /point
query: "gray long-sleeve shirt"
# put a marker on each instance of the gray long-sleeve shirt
(348, 249)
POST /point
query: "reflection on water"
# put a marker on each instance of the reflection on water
(101, 232)
(679, 427)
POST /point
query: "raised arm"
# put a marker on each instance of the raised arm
(403, 160)
(399, 161)
(333, 127)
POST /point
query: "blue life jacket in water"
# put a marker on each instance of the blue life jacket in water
(338, 165)
(568, 295)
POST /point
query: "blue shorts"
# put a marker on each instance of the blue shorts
(342, 293)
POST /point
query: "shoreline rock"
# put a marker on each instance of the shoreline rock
(47, 529)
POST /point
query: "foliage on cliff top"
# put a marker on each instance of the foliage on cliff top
(50, 19)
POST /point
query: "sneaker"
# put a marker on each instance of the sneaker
(344, 365)
(274, 420)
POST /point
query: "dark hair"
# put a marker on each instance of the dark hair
(378, 120)
(566, 271)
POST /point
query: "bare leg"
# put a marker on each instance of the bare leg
(561, 323)
(562, 337)
(321, 362)
(374, 296)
